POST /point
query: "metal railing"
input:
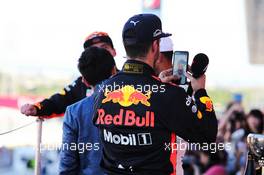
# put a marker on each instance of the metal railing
(39, 122)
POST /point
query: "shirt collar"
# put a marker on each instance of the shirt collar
(137, 67)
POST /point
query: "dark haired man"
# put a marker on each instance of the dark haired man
(57, 103)
(137, 128)
(81, 149)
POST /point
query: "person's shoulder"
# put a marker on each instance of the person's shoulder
(78, 80)
(175, 87)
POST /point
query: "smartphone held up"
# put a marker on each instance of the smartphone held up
(180, 65)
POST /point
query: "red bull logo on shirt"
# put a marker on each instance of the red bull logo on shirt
(208, 103)
(126, 118)
(126, 96)
(115, 96)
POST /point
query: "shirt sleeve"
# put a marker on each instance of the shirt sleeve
(57, 103)
(193, 120)
(69, 158)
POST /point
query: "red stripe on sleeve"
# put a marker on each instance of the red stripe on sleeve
(173, 156)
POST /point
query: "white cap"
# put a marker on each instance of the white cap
(166, 44)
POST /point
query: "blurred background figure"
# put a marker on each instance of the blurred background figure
(213, 163)
(255, 123)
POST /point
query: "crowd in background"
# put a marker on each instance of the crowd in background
(234, 125)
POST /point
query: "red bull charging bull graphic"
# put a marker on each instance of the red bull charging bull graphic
(115, 96)
(126, 96)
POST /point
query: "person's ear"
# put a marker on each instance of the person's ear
(158, 45)
(85, 82)
(155, 45)
(113, 52)
(113, 72)
(160, 59)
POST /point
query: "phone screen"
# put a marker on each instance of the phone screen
(180, 63)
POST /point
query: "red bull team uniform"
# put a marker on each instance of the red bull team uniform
(56, 105)
(139, 117)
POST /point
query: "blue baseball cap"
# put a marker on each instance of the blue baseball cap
(142, 28)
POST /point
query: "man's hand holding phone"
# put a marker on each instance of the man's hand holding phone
(178, 73)
(166, 76)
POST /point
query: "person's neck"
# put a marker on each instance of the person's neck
(167, 65)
